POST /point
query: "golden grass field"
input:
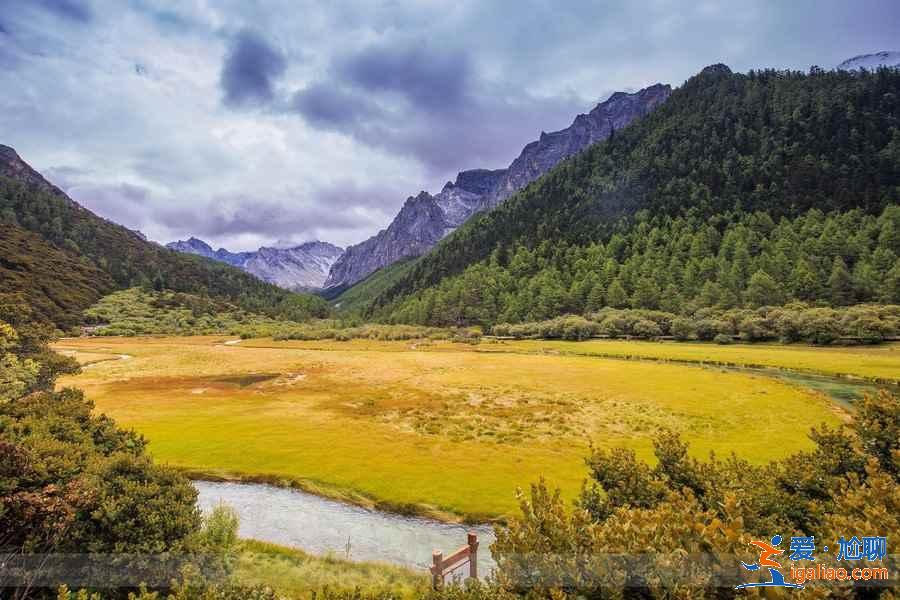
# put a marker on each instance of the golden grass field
(443, 428)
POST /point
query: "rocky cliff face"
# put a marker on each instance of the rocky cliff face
(418, 226)
(425, 219)
(300, 268)
(540, 156)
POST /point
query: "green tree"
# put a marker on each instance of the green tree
(616, 296)
(840, 283)
(597, 297)
(804, 281)
(762, 290)
(646, 294)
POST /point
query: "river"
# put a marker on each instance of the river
(321, 526)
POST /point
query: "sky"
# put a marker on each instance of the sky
(250, 122)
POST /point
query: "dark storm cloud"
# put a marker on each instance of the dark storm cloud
(433, 79)
(418, 100)
(70, 9)
(250, 70)
(327, 105)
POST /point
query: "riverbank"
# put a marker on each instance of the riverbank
(327, 528)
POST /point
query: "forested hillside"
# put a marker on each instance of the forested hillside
(95, 256)
(53, 285)
(704, 181)
(678, 265)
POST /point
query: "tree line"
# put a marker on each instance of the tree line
(679, 265)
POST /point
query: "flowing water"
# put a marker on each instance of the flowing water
(320, 526)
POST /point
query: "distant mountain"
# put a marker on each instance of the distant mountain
(871, 62)
(57, 258)
(425, 219)
(298, 268)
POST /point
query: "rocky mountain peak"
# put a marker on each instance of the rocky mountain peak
(424, 219)
(716, 69)
(12, 166)
(299, 268)
(479, 181)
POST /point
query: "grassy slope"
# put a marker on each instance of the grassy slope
(295, 574)
(443, 428)
(54, 283)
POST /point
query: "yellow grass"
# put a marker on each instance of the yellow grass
(877, 363)
(439, 427)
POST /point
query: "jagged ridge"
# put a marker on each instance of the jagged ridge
(300, 268)
(425, 219)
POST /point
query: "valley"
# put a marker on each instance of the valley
(443, 429)
(620, 354)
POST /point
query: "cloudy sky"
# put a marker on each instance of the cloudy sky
(251, 122)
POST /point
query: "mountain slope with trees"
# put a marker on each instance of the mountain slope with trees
(118, 257)
(726, 156)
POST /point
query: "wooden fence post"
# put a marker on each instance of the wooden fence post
(437, 569)
(473, 554)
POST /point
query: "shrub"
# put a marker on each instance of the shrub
(646, 329)
(682, 329)
(723, 338)
(614, 326)
(707, 329)
(819, 326)
(754, 329)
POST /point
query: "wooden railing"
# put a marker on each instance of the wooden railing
(441, 567)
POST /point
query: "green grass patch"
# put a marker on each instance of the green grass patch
(296, 574)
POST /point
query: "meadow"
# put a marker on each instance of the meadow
(424, 427)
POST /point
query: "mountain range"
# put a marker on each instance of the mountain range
(298, 268)
(425, 219)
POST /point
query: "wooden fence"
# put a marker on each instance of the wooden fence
(441, 567)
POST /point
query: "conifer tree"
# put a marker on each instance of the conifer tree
(616, 296)
(840, 283)
(763, 291)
